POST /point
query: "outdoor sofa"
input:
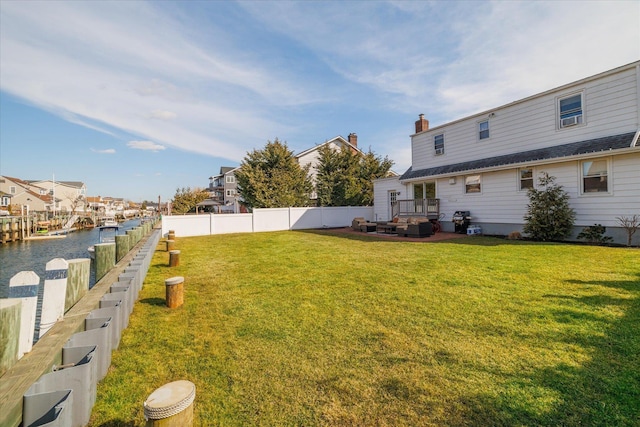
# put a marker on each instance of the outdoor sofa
(419, 229)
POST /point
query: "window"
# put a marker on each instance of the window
(483, 130)
(12, 189)
(595, 175)
(5, 201)
(438, 144)
(231, 192)
(570, 110)
(393, 196)
(526, 178)
(43, 192)
(230, 179)
(472, 184)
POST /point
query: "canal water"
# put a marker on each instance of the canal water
(33, 255)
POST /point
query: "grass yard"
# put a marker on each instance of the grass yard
(315, 329)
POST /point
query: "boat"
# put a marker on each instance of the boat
(43, 227)
(43, 233)
(106, 234)
(109, 221)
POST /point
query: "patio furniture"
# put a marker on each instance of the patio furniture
(421, 229)
(387, 228)
(367, 227)
(357, 221)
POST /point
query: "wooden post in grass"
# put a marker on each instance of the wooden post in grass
(174, 258)
(170, 245)
(174, 291)
(171, 235)
(171, 405)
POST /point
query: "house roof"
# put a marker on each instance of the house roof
(74, 184)
(597, 145)
(334, 140)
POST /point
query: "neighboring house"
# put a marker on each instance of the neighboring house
(584, 133)
(312, 156)
(223, 190)
(18, 192)
(70, 195)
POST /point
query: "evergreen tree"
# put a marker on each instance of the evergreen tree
(345, 178)
(272, 178)
(185, 199)
(372, 167)
(549, 216)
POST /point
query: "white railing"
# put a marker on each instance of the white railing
(417, 207)
(276, 219)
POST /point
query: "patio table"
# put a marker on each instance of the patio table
(386, 228)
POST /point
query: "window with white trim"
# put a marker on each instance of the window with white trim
(230, 179)
(595, 176)
(483, 130)
(472, 184)
(231, 192)
(525, 178)
(12, 189)
(5, 201)
(393, 196)
(570, 110)
(438, 144)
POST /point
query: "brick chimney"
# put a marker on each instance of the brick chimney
(422, 124)
(353, 139)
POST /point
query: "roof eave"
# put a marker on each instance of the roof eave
(594, 154)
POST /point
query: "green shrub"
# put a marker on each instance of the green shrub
(595, 234)
(549, 216)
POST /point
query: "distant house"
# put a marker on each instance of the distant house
(311, 156)
(70, 195)
(223, 191)
(17, 192)
(583, 133)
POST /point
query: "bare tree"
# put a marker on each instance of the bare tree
(75, 203)
(630, 225)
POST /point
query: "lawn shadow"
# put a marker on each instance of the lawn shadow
(117, 423)
(605, 391)
(440, 237)
(153, 301)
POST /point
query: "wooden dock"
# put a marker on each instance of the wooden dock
(16, 228)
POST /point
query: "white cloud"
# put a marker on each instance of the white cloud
(221, 90)
(115, 81)
(162, 115)
(454, 58)
(145, 145)
(106, 151)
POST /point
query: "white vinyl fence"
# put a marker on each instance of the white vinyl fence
(276, 219)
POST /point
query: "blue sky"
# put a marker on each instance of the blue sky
(137, 99)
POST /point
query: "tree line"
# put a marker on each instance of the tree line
(271, 177)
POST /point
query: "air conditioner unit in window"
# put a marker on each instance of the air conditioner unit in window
(571, 121)
(439, 150)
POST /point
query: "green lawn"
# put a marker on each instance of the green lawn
(310, 329)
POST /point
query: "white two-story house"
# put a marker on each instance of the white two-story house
(585, 134)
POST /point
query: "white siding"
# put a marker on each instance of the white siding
(610, 107)
(502, 202)
(623, 200)
(313, 158)
(381, 189)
